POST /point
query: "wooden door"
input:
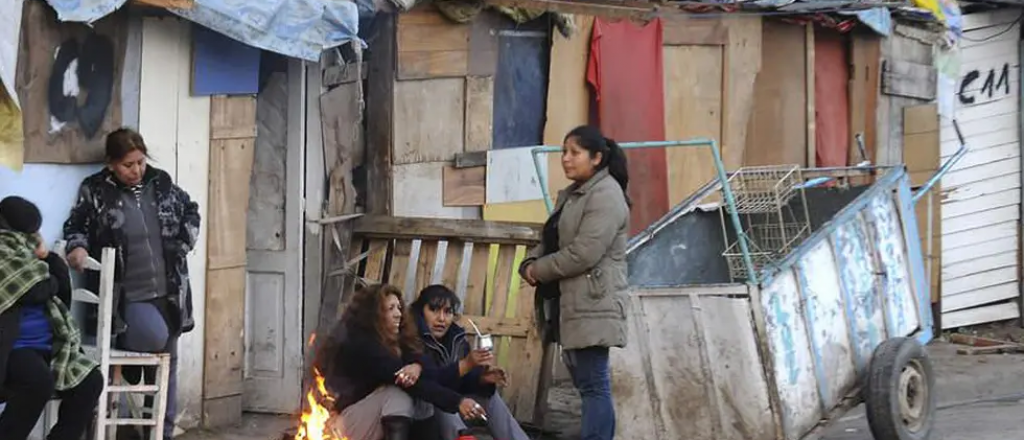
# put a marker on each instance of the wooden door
(273, 293)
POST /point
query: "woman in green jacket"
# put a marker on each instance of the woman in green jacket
(581, 265)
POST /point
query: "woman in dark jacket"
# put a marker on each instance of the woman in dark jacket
(40, 353)
(471, 373)
(153, 224)
(375, 370)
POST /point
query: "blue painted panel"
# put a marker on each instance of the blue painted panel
(890, 253)
(916, 260)
(857, 270)
(825, 314)
(792, 360)
(223, 66)
(521, 88)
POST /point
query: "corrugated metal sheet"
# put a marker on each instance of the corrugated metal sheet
(981, 203)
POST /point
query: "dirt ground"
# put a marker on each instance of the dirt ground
(982, 394)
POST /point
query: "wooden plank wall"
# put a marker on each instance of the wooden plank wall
(865, 62)
(778, 126)
(907, 53)
(922, 157)
(442, 106)
(710, 70)
(232, 138)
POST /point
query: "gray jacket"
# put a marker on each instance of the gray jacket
(590, 265)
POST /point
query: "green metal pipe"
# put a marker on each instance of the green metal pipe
(723, 177)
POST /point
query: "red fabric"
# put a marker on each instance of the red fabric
(625, 69)
(831, 100)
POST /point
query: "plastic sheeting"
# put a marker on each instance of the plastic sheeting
(10, 31)
(296, 28)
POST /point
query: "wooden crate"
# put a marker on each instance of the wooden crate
(479, 261)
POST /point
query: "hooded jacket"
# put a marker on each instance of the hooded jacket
(443, 355)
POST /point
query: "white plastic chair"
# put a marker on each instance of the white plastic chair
(111, 360)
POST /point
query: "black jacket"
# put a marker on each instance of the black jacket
(361, 364)
(59, 284)
(443, 356)
(95, 223)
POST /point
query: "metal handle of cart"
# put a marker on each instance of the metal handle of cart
(723, 177)
(693, 143)
(948, 165)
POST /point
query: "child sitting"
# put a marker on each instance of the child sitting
(40, 353)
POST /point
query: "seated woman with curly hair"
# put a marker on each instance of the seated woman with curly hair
(372, 365)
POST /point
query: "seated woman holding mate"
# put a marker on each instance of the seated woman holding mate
(470, 373)
(372, 363)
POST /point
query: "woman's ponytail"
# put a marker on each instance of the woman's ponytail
(617, 166)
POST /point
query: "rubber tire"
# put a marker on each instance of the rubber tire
(882, 392)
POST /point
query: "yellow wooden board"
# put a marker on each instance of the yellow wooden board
(530, 211)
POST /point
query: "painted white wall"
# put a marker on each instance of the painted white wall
(981, 195)
(51, 187)
(176, 127)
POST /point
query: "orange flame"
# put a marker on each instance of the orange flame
(316, 420)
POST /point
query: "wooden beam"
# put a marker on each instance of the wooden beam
(380, 98)
(907, 79)
(634, 9)
(377, 226)
(176, 4)
(812, 118)
(512, 327)
(471, 159)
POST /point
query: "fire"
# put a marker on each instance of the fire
(316, 420)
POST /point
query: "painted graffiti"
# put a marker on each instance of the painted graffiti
(996, 84)
(81, 84)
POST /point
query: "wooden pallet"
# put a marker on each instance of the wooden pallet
(479, 261)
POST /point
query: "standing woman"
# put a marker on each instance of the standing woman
(581, 265)
(153, 224)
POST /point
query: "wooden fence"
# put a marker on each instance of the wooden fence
(479, 261)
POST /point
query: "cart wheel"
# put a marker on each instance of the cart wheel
(900, 394)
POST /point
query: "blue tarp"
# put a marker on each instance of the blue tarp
(296, 28)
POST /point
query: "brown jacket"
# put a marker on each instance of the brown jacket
(590, 265)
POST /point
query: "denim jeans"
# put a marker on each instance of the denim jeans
(589, 370)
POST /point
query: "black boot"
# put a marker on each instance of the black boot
(426, 429)
(396, 427)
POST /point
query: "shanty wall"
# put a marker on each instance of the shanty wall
(467, 96)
